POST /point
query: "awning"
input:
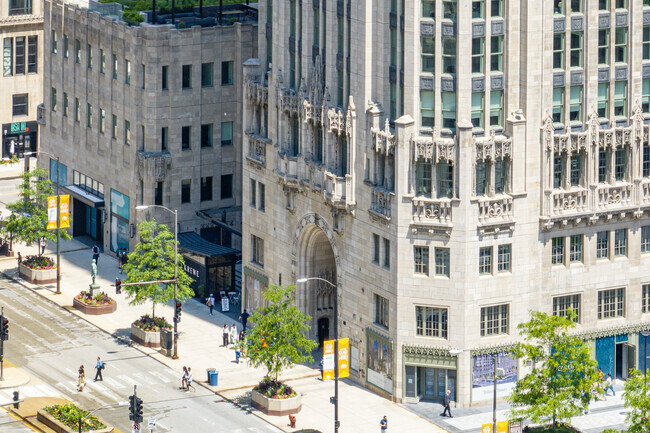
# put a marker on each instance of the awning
(84, 196)
(191, 241)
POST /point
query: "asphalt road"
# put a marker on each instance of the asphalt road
(50, 343)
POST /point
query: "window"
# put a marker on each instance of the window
(65, 47)
(206, 135)
(158, 194)
(53, 99)
(421, 260)
(561, 305)
(127, 132)
(478, 55)
(478, 9)
(257, 250)
(558, 7)
(611, 303)
(500, 176)
(645, 239)
(206, 188)
(186, 191)
(32, 54)
(164, 139)
(449, 9)
(620, 98)
(557, 251)
(442, 261)
(226, 73)
(89, 56)
(253, 193)
(428, 54)
(494, 320)
(144, 75)
(431, 322)
(423, 177)
(496, 9)
(558, 51)
(449, 56)
(645, 164)
(575, 168)
(504, 258)
(77, 51)
(602, 245)
(89, 116)
(576, 6)
(226, 133)
(575, 104)
(620, 45)
(187, 77)
(20, 7)
(7, 57)
(127, 72)
(427, 99)
(386, 253)
(645, 96)
(481, 178)
(102, 120)
(445, 175)
(496, 53)
(621, 4)
(186, 137)
(114, 66)
(603, 165)
(114, 127)
(102, 61)
(449, 111)
(646, 42)
(19, 105)
(65, 104)
(620, 242)
(603, 46)
(478, 100)
(603, 100)
(226, 186)
(603, 5)
(428, 9)
(77, 110)
(164, 77)
(620, 164)
(20, 56)
(262, 200)
(645, 308)
(576, 49)
(206, 74)
(558, 105)
(381, 311)
(485, 260)
(575, 248)
(375, 249)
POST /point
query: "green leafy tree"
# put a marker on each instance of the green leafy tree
(277, 339)
(153, 260)
(28, 222)
(636, 398)
(563, 374)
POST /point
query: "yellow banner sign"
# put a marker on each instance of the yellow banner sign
(344, 358)
(65, 212)
(502, 427)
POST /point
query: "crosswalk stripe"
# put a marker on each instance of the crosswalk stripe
(64, 386)
(160, 376)
(114, 383)
(145, 378)
(129, 380)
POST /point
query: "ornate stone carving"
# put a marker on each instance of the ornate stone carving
(493, 147)
(336, 121)
(383, 139)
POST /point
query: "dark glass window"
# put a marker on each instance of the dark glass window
(206, 188)
(187, 76)
(186, 137)
(186, 191)
(226, 186)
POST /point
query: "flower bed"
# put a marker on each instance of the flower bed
(146, 330)
(37, 276)
(64, 418)
(274, 389)
(39, 263)
(99, 304)
(276, 406)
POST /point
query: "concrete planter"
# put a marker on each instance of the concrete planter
(144, 338)
(59, 427)
(276, 406)
(37, 276)
(94, 310)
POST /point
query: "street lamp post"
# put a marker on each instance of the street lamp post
(645, 335)
(494, 400)
(336, 346)
(175, 212)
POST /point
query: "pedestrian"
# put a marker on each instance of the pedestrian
(320, 367)
(609, 385)
(210, 302)
(125, 257)
(43, 245)
(189, 380)
(243, 318)
(99, 367)
(242, 336)
(233, 333)
(82, 379)
(226, 334)
(184, 379)
(119, 259)
(237, 353)
(96, 254)
(383, 424)
(447, 411)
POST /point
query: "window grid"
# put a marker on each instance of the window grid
(620, 45)
(576, 49)
(494, 320)
(504, 258)
(561, 305)
(381, 311)
(485, 261)
(375, 249)
(421, 260)
(645, 239)
(611, 303)
(603, 46)
(602, 245)
(620, 242)
(557, 251)
(575, 249)
(431, 321)
(645, 299)
(442, 261)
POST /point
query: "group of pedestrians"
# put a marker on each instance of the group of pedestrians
(122, 258)
(81, 381)
(186, 379)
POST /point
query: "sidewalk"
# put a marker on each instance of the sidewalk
(200, 348)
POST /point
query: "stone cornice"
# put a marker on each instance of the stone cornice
(18, 20)
(409, 349)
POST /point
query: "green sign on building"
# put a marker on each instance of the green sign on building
(18, 127)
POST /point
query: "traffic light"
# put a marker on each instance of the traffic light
(137, 416)
(16, 398)
(177, 313)
(118, 286)
(131, 407)
(4, 328)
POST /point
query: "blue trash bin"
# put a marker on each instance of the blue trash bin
(214, 378)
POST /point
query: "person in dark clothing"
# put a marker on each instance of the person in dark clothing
(447, 411)
(244, 318)
(96, 254)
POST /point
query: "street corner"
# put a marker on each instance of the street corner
(13, 377)
(31, 405)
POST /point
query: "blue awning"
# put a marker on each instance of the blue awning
(192, 242)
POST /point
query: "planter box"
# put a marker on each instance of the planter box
(94, 310)
(144, 338)
(276, 406)
(59, 427)
(37, 276)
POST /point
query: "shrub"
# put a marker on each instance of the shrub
(99, 299)
(39, 262)
(272, 388)
(150, 324)
(132, 16)
(69, 415)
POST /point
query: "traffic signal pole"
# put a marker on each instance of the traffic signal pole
(2, 343)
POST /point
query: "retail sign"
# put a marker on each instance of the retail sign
(17, 127)
(344, 358)
(502, 427)
(64, 212)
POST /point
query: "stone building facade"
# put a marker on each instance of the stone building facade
(449, 166)
(21, 32)
(143, 114)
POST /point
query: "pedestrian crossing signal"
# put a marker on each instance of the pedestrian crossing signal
(177, 314)
(118, 286)
(138, 415)
(131, 407)
(4, 328)
(16, 398)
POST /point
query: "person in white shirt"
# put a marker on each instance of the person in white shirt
(189, 380)
(233, 334)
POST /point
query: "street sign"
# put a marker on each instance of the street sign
(136, 428)
(502, 427)
(152, 423)
(225, 304)
(344, 358)
(65, 212)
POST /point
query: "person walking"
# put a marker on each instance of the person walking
(43, 245)
(320, 367)
(609, 384)
(233, 333)
(210, 302)
(383, 424)
(243, 318)
(226, 335)
(120, 254)
(96, 254)
(99, 367)
(447, 411)
(82, 379)
(184, 379)
(189, 380)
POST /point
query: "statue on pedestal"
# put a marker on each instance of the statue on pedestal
(93, 273)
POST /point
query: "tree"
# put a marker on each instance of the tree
(153, 260)
(278, 339)
(28, 222)
(636, 398)
(563, 374)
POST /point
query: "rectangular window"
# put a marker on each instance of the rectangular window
(576, 6)
(114, 127)
(558, 51)
(603, 46)
(645, 239)
(478, 101)
(226, 73)
(442, 261)
(431, 322)
(428, 9)
(494, 320)
(206, 188)
(89, 116)
(575, 167)
(164, 139)
(481, 178)
(449, 55)
(485, 260)
(262, 200)
(575, 248)
(19, 105)
(558, 7)
(603, 165)
(576, 49)
(66, 51)
(186, 137)
(20, 56)
(102, 120)
(89, 56)
(114, 66)
(620, 164)
(562, 304)
(445, 173)
(187, 77)
(575, 104)
(381, 311)
(621, 4)
(645, 96)
(53, 99)
(500, 176)
(558, 105)
(8, 57)
(449, 9)
(32, 54)
(602, 245)
(386, 253)
(611, 303)
(164, 77)
(496, 53)
(226, 133)
(127, 132)
(620, 45)
(449, 111)
(557, 251)
(158, 194)
(20, 7)
(102, 61)
(65, 104)
(77, 51)
(421, 255)
(620, 98)
(186, 191)
(77, 110)
(206, 135)
(496, 9)
(226, 186)
(504, 258)
(423, 177)
(207, 74)
(375, 248)
(127, 72)
(603, 5)
(257, 250)
(646, 42)
(428, 54)
(620, 243)
(253, 193)
(478, 55)
(144, 75)
(603, 100)
(478, 9)
(645, 298)
(427, 99)
(558, 171)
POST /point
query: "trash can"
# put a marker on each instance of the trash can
(209, 370)
(214, 377)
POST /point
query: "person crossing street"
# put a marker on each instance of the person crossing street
(99, 367)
